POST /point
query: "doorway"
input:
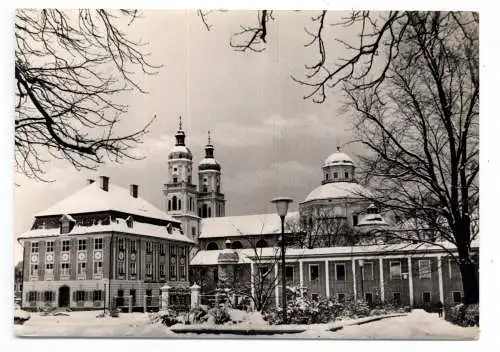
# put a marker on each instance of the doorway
(63, 296)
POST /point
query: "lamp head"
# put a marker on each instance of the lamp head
(282, 205)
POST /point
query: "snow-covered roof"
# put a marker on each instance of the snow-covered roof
(338, 158)
(372, 220)
(209, 161)
(234, 226)
(93, 199)
(180, 151)
(206, 257)
(139, 228)
(338, 190)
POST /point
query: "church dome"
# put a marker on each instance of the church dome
(180, 152)
(338, 158)
(338, 190)
(209, 164)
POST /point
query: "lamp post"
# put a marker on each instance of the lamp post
(282, 208)
(361, 264)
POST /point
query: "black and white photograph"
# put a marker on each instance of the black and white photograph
(246, 174)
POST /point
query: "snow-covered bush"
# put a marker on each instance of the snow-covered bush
(220, 314)
(166, 317)
(198, 315)
(463, 315)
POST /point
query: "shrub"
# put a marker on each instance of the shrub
(114, 312)
(198, 315)
(166, 317)
(220, 314)
(463, 315)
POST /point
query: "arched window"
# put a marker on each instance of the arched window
(261, 244)
(180, 205)
(236, 245)
(174, 203)
(212, 246)
(204, 212)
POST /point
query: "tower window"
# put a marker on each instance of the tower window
(180, 204)
(175, 169)
(354, 220)
(326, 176)
(175, 180)
(174, 203)
(335, 175)
(204, 188)
(169, 205)
(346, 175)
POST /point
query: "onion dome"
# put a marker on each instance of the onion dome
(180, 151)
(209, 162)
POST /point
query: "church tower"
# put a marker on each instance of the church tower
(211, 202)
(179, 191)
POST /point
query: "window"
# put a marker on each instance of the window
(48, 296)
(193, 231)
(82, 268)
(369, 297)
(162, 269)
(64, 269)
(65, 245)
(173, 263)
(424, 269)
(396, 297)
(133, 269)
(34, 270)
(65, 226)
(121, 244)
(261, 244)
(169, 205)
(212, 246)
(162, 248)
(426, 296)
(32, 296)
(82, 245)
(457, 297)
(182, 262)
(149, 247)
(335, 175)
(454, 269)
(313, 272)
(130, 222)
(98, 267)
(340, 272)
(97, 243)
(289, 273)
(175, 179)
(50, 246)
(97, 295)
(149, 269)
(354, 220)
(175, 169)
(346, 174)
(34, 247)
(341, 297)
(236, 245)
(133, 245)
(395, 270)
(80, 296)
(49, 268)
(368, 271)
(326, 176)
(121, 268)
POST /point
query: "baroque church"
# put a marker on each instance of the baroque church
(105, 246)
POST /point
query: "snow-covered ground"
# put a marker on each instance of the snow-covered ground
(416, 325)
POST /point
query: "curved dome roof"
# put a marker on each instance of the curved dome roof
(208, 164)
(180, 152)
(338, 158)
(338, 190)
(373, 220)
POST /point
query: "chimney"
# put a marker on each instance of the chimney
(104, 183)
(134, 190)
(90, 181)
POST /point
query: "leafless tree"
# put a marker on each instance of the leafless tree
(69, 66)
(412, 81)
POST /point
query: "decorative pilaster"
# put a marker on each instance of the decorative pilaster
(440, 279)
(276, 288)
(354, 280)
(382, 288)
(410, 281)
(165, 295)
(327, 279)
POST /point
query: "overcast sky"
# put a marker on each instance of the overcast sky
(268, 140)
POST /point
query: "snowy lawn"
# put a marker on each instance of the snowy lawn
(415, 325)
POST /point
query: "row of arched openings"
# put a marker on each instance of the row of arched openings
(213, 246)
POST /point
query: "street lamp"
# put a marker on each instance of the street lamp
(361, 264)
(282, 208)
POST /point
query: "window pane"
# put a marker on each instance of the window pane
(340, 271)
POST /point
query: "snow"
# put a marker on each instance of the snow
(372, 219)
(238, 226)
(204, 257)
(415, 325)
(208, 161)
(93, 199)
(139, 228)
(338, 190)
(338, 158)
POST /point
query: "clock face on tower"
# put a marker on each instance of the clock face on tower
(65, 257)
(81, 256)
(50, 257)
(34, 258)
